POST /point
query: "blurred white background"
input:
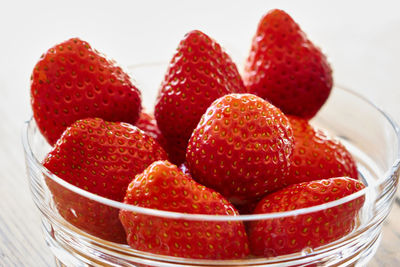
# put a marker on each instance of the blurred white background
(361, 39)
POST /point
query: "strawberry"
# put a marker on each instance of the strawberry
(162, 186)
(100, 157)
(176, 150)
(148, 124)
(88, 215)
(241, 148)
(273, 237)
(317, 156)
(73, 81)
(247, 208)
(285, 68)
(185, 169)
(199, 72)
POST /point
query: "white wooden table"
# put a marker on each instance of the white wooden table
(362, 39)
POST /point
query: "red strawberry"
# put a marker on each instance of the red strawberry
(199, 72)
(185, 169)
(247, 208)
(176, 149)
(317, 156)
(88, 215)
(72, 81)
(163, 186)
(287, 235)
(102, 158)
(241, 148)
(285, 68)
(148, 124)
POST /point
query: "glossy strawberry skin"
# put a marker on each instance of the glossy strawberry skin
(162, 186)
(199, 72)
(100, 157)
(241, 148)
(73, 81)
(317, 156)
(285, 68)
(88, 215)
(274, 237)
(185, 169)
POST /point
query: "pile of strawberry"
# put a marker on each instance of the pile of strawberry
(243, 146)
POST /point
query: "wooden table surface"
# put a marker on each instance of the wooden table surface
(361, 38)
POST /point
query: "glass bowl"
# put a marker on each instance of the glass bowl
(368, 133)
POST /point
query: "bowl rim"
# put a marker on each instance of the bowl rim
(206, 217)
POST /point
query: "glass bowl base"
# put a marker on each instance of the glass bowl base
(69, 251)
